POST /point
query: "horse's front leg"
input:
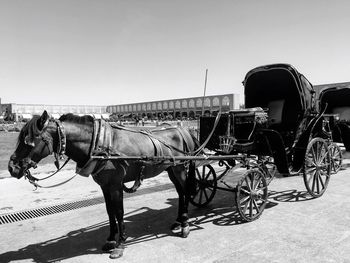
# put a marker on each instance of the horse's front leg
(178, 176)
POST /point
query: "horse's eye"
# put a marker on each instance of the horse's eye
(29, 141)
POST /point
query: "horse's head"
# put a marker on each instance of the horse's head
(35, 142)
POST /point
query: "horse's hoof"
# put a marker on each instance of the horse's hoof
(109, 246)
(176, 228)
(185, 231)
(179, 230)
(116, 253)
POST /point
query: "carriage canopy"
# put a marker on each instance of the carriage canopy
(336, 100)
(282, 89)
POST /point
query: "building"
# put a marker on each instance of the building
(177, 108)
(5, 111)
(27, 111)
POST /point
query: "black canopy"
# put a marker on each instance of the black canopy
(275, 82)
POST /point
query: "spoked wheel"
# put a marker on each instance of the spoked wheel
(206, 185)
(336, 157)
(251, 196)
(317, 167)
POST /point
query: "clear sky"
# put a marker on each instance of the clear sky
(106, 52)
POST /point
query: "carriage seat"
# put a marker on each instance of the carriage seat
(344, 113)
(275, 111)
(283, 115)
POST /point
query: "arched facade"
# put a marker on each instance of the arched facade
(183, 107)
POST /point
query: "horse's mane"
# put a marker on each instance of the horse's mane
(86, 119)
(31, 128)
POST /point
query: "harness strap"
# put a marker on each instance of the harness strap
(103, 140)
(98, 125)
(137, 182)
(150, 134)
(94, 136)
(163, 142)
(185, 139)
(158, 150)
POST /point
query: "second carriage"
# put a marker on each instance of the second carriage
(281, 129)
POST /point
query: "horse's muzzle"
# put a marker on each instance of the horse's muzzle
(14, 168)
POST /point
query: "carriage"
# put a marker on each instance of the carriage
(281, 129)
(335, 101)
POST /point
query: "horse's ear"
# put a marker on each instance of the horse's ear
(43, 120)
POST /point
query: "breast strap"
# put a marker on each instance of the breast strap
(102, 142)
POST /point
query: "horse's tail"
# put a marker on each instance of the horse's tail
(191, 184)
(189, 136)
(195, 141)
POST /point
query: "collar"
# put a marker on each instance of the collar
(62, 139)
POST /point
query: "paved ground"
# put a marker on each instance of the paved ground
(293, 228)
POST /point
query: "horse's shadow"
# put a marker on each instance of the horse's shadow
(143, 224)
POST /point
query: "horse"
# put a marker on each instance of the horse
(81, 138)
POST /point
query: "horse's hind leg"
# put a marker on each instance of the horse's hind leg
(115, 209)
(178, 176)
(117, 197)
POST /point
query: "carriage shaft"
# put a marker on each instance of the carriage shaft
(172, 158)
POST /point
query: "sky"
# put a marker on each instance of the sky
(107, 52)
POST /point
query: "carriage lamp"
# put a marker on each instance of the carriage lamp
(326, 127)
(226, 143)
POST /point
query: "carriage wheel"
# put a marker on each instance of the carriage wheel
(251, 195)
(336, 157)
(317, 167)
(206, 185)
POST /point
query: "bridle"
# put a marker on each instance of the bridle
(59, 154)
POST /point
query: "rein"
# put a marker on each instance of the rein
(33, 180)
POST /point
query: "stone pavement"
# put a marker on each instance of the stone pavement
(293, 227)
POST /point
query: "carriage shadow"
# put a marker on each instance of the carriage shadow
(292, 195)
(221, 213)
(143, 225)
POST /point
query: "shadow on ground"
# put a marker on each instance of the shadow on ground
(290, 196)
(142, 225)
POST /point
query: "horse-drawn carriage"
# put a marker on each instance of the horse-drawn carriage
(335, 102)
(280, 129)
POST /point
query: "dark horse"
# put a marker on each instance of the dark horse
(81, 138)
